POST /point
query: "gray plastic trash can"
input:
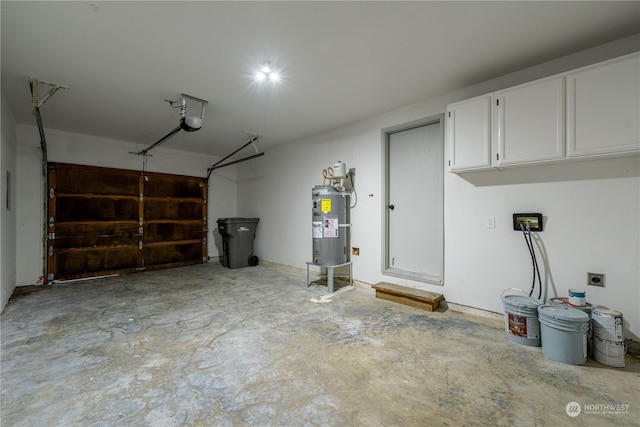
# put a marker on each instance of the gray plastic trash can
(238, 235)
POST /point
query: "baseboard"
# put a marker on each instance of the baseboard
(283, 267)
(474, 311)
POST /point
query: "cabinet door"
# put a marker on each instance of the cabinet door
(469, 133)
(530, 122)
(603, 108)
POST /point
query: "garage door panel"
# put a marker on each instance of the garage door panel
(172, 186)
(172, 209)
(77, 208)
(182, 253)
(90, 262)
(172, 231)
(88, 234)
(96, 181)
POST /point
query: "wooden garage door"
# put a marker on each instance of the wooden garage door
(105, 221)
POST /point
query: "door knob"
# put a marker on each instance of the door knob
(392, 207)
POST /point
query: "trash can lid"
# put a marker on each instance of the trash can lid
(237, 220)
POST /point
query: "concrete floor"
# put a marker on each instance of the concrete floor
(209, 346)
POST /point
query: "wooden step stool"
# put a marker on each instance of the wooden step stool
(408, 296)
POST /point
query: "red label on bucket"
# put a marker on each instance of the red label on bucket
(523, 326)
(518, 325)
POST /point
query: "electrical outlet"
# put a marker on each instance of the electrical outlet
(355, 251)
(596, 279)
(533, 219)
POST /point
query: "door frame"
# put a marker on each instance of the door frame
(385, 133)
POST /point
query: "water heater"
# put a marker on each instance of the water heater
(330, 225)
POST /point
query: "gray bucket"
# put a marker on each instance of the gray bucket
(564, 333)
(521, 319)
(587, 309)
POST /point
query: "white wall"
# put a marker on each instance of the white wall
(7, 216)
(74, 148)
(591, 209)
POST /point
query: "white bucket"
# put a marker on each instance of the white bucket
(521, 319)
(607, 324)
(564, 333)
(610, 353)
(577, 297)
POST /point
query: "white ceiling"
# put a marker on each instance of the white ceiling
(340, 61)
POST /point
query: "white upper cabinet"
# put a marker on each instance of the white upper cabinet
(469, 134)
(530, 122)
(603, 108)
(588, 113)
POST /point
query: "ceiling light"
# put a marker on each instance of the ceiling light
(274, 77)
(266, 73)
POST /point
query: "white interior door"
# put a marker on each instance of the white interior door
(414, 238)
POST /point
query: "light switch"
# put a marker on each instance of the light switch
(490, 222)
